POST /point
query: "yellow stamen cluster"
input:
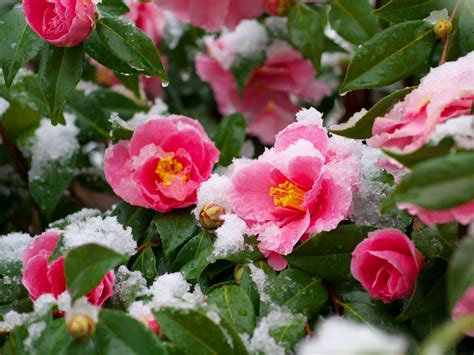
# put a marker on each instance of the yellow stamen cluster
(288, 195)
(168, 169)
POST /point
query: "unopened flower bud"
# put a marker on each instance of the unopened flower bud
(278, 7)
(442, 28)
(81, 326)
(210, 216)
(238, 272)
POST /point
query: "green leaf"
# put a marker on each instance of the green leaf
(146, 264)
(131, 82)
(306, 32)
(120, 131)
(436, 241)
(17, 128)
(390, 56)
(192, 332)
(59, 72)
(192, 249)
(229, 137)
(86, 265)
(429, 293)
(466, 27)
(299, 292)
(407, 10)
(130, 45)
(352, 20)
(113, 7)
(48, 188)
(460, 275)
(424, 153)
(175, 228)
(328, 255)
(18, 45)
(289, 334)
(111, 101)
(26, 92)
(138, 218)
(362, 127)
(118, 333)
(234, 306)
(437, 184)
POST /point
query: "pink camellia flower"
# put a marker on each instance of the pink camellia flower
(302, 186)
(163, 163)
(463, 214)
(387, 264)
(41, 277)
(446, 92)
(149, 18)
(63, 23)
(267, 99)
(212, 15)
(465, 307)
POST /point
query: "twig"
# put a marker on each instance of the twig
(335, 300)
(446, 40)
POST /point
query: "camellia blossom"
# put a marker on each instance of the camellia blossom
(465, 307)
(42, 277)
(387, 264)
(149, 18)
(446, 92)
(163, 164)
(212, 15)
(302, 186)
(463, 214)
(63, 23)
(266, 100)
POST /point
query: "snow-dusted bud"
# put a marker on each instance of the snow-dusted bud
(210, 216)
(81, 326)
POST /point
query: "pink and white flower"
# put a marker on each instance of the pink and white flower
(302, 186)
(149, 18)
(163, 164)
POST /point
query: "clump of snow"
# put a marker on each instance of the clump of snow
(87, 87)
(214, 316)
(437, 15)
(106, 231)
(351, 122)
(213, 191)
(79, 307)
(12, 319)
(4, 105)
(372, 191)
(262, 341)
(230, 236)
(76, 217)
(158, 109)
(141, 311)
(129, 285)
(461, 129)
(172, 290)
(12, 246)
(358, 338)
(116, 120)
(44, 303)
(260, 280)
(53, 144)
(34, 332)
(310, 116)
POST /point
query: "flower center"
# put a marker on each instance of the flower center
(169, 169)
(288, 195)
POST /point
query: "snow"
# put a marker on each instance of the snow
(34, 332)
(82, 307)
(76, 217)
(436, 16)
(213, 191)
(53, 143)
(461, 129)
(277, 26)
(44, 303)
(12, 246)
(310, 116)
(107, 232)
(87, 87)
(358, 338)
(12, 319)
(141, 311)
(4, 105)
(260, 279)
(172, 290)
(351, 122)
(129, 285)
(230, 236)
(248, 39)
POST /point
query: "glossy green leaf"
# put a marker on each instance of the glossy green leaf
(59, 72)
(192, 249)
(113, 7)
(466, 27)
(111, 101)
(362, 127)
(438, 183)
(48, 188)
(306, 32)
(429, 293)
(234, 306)
(192, 332)
(26, 92)
(436, 241)
(146, 264)
(175, 229)
(290, 333)
(229, 137)
(18, 43)
(389, 56)
(138, 218)
(86, 265)
(408, 10)
(460, 275)
(130, 45)
(328, 255)
(353, 20)
(17, 128)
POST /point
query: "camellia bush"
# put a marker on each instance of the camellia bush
(237, 177)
